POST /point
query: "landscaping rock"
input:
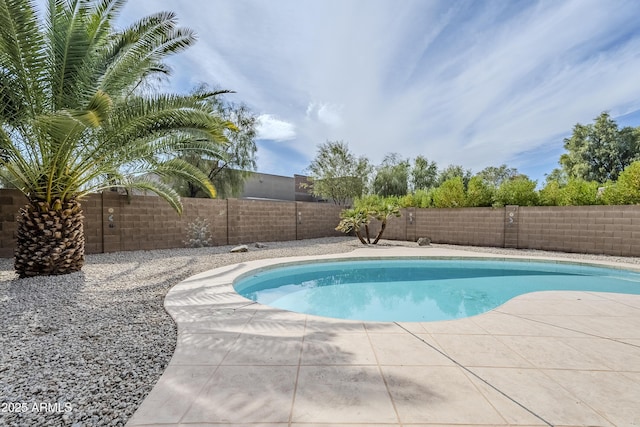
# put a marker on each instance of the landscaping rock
(241, 248)
(424, 241)
(260, 245)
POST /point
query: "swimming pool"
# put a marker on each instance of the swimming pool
(420, 290)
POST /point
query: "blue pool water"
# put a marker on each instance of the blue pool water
(420, 290)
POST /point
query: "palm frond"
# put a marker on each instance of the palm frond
(71, 48)
(140, 48)
(104, 12)
(145, 116)
(178, 168)
(21, 54)
(145, 183)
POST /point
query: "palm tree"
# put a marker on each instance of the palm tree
(366, 209)
(75, 119)
(352, 220)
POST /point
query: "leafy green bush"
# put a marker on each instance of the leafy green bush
(551, 194)
(629, 179)
(418, 199)
(519, 191)
(450, 194)
(626, 190)
(479, 193)
(579, 192)
(424, 198)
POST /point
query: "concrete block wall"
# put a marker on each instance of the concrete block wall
(613, 230)
(10, 203)
(398, 228)
(148, 222)
(93, 233)
(116, 223)
(465, 226)
(315, 220)
(257, 220)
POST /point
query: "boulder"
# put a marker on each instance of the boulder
(241, 248)
(424, 241)
(260, 245)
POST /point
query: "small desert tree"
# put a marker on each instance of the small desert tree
(337, 174)
(352, 220)
(365, 210)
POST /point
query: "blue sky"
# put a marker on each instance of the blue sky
(474, 83)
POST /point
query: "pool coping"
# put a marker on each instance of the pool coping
(238, 362)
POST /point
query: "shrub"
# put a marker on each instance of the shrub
(519, 191)
(407, 201)
(551, 194)
(627, 189)
(365, 209)
(198, 234)
(424, 198)
(450, 194)
(479, 193)
(579, 192)
(352, 220)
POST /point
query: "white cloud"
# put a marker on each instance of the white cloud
(274, 129)
(326, 113)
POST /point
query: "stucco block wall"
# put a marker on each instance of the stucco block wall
(114, 222)
(92, 211)
(468, 226)
(257, 220)
(315, 220)
(614, 230)
(148, 222)
(398, 228)
(10, 203)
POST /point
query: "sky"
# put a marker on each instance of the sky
(473, 83)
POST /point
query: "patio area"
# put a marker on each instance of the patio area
(546, 358)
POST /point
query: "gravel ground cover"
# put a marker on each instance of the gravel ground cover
(86, 348)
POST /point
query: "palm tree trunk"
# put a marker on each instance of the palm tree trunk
(50, 240)
(359, 236)
(366, 230)
(382, 227)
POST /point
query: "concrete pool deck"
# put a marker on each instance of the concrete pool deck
(545, 358)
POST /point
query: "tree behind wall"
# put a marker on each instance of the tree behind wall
(336, 174)
(494, 176)
(236, 161)
(424, 174)
(392, 177)
(453, 171)
(600, 151)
